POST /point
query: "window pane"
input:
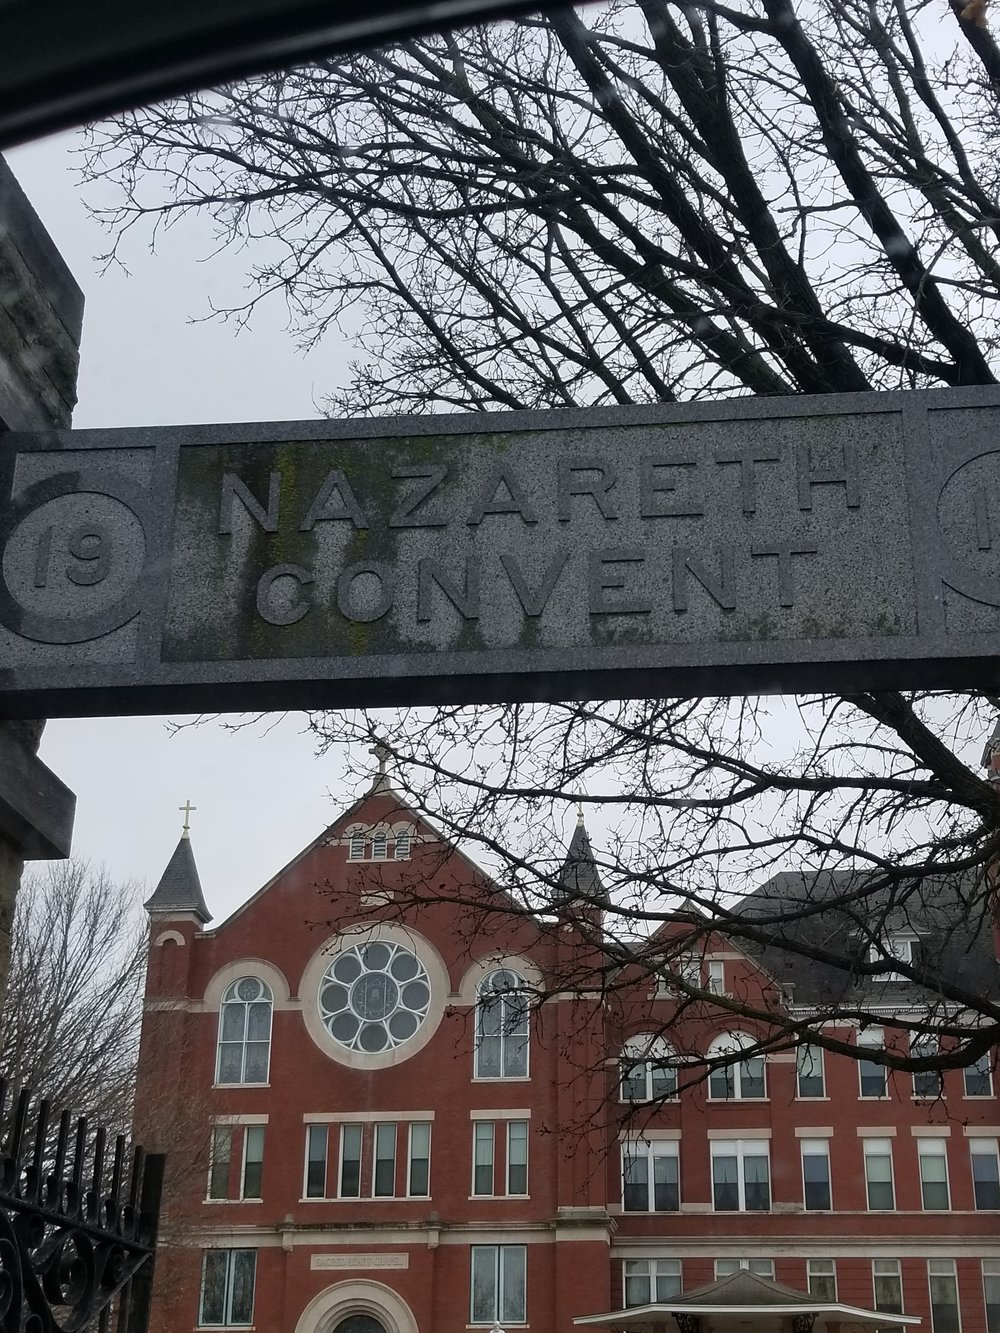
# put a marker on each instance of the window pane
(213, 1286)
(517, 1157)
(515, 1062)
(259, 1022)
(230, 1062)
(253, 1161)
(816, 1180)
(665, 1192)
(316, 1141)
(751, 1077)
(809, 1062)
(725, 1183)
(663, 1079)
(244, 1267)
(222, 1147)
(888, 1286)
(991, 1293)
(944, 1296)
(488, 1057)
(720, 1083)
(985, 1174)
(482, 1175)
(822, 1279)
(385, 1161)
(757, 1183)
(484, 1283)
(872, 1079)
(256, 1062)
(420, 1158)
(933, 1176)
(977, 1078)
(350, 1167)
(512, 1286)
(633, 1082)
(668, 1279)
(637, 1285)
(635, 1193)
(232, 1027)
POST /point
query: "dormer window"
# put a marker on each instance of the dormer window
(902, 948)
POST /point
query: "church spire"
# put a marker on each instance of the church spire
(579, 880)
(179, 889)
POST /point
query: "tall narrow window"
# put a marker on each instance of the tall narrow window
(380, 846)
(651, 1280)
(221, 1157)
(815, 1174)
(650, 1177)
(502, 1026)
(483, 1136)
(944, 1295)
(253, 1161)
(738, 1077)
(419, 1173)
(384, 1174)
(401, 849)
(517, 1156)
(499, 1285)
(871, 1073)
(985, 1172)
(350, 1162)
(648, 1069)
(878, 1174)
(887, 1285)
(932, 1156)
(356, 847)
(821, 1276)
(244, 1032)
(991, 1294)
(926, 1082)
(978, 1079)
(809, 1071)
(227, 1283)
(716, 978)
(741, 1175)
(317, 1138)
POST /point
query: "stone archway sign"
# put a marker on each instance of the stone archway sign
(754, 545)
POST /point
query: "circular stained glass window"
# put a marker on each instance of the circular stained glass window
(374, 997)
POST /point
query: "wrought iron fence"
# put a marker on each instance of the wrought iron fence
(78, 1217)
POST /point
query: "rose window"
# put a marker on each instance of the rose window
(374, 997)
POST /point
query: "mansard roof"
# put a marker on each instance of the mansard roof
(840, 913)
(179, 889)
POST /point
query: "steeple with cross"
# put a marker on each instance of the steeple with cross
(187, 809)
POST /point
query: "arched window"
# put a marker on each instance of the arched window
(739, 1079)
(244, 1032)
(359, 1323)
(502, 1026)
(648, 1069)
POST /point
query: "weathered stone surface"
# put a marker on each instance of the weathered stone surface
(755, 545)
(36, 809)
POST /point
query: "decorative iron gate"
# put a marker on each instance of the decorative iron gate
(78, 1218)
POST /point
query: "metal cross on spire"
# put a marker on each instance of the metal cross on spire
(187, 809)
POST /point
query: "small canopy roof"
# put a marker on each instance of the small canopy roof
(740, 1296)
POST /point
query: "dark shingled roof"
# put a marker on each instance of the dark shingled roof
(741, 1289)
(950, 917)
(578, 878)
(179, 889)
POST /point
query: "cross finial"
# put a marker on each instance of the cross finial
(579, 814)
(186, 810)
(382, 753)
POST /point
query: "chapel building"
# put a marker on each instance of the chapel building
(376, 1125)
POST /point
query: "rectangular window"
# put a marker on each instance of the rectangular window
(932, 1156)
(985, 1172)
(253, 1161)
(650, 1177)
(356, 847)
(978, 1079)
(483, 1135)
(821, 1276)
(650, 1280)
(898, 948)
(227, 1283)
(221, 1156)
(517, 1156)
(878, 1174)
(499, 1275)
(316, 1150)
(887, 1285)
(401, 850)
(816, 1174)
(944, 1296)
(380, 846)
(762, 1267)
(991, 1294)
(688, 968)
(419, 1170)
(741, 1176)
(384, 1173)
(716, 979)
(809, 1071)
(871, 1073)
(926, 1082)
(350, 1162)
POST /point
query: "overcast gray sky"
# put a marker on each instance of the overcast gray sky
(260, 797)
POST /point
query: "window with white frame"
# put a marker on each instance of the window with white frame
(687, 966)
(932, 1158)
(821, 1279)
(943, 1286)
(985, 1173)
(991, 1294)
(502, 1014)
(317, 1148)
(926, 1082)
(517, 1157)
(740, 1077)
(741, 1175)
(887, 1286)
(384, 1161)
(898, 948)
(244, 1048)
(878, 1174)
(648, 1281)
(872, 1075)
(380, 845)
(809, 1073)
(402, 845)
(483, 1155)
(715, 980)
(418, 1168)
(978, 1077)
(499, 1284)
(761, 1267)
(487, 1136)
(815, 1175)
(227, 1288)
(650, 1176)
(243, 1143)
(253, 1162)
(648, 1069)
(349, 1173)
(356, 847)
(220, 1159)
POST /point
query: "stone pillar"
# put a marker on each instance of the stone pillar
(41, 315)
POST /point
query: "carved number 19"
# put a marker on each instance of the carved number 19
(89, 545)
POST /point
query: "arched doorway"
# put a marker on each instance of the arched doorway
(359, 1323)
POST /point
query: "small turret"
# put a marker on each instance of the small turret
(579, 880)
(179, 889)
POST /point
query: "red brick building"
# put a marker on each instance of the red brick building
(401, 1143)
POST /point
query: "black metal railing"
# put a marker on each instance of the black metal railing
(78, 1218)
